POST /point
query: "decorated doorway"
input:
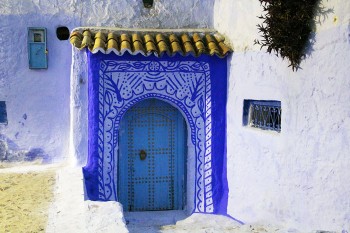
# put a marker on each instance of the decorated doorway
(185, 70)
(151, 157)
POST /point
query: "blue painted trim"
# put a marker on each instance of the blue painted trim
(204, 108)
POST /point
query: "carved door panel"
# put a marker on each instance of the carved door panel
(151, 157)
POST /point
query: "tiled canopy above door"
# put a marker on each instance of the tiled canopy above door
(187, 69)
(148, 42)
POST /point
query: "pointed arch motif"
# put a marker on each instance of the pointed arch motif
(186, 84)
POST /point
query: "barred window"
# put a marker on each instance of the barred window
(262, 114)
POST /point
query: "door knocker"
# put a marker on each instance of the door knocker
(143, 155)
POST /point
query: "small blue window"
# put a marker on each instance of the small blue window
(3, 113)
(262, 114)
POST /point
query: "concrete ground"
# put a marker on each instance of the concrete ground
(68, 212)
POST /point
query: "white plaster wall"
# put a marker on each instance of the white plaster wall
(299, 177)
(40, 96)
(163, 14)
(44, 95)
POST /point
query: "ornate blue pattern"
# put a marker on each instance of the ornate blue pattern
(185, 84)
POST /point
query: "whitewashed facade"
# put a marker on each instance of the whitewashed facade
(298, 177)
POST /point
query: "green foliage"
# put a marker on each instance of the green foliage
(286, 28)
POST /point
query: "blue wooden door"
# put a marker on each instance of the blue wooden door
(151, 157)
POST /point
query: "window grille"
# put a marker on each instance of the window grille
(262, 114)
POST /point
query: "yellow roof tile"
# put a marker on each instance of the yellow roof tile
(199, 44)
(150, 42)
(175, 44)
(186, 41)
(138, 44)
(162, 44)
(112, 43)
(100, 43)
(76, 39)
(125, 44)
(87, 40)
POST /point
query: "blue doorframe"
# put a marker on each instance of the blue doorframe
(151, 171)
(196, 86)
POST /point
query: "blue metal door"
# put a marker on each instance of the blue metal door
(151, 157)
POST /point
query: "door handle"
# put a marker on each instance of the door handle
(143, 154)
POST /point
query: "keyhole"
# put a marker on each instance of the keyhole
(143, 155)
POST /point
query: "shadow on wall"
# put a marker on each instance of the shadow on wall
(10, 152)
(321, 15)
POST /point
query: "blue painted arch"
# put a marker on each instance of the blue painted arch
(173, 102)
(196, 86)
(164, 167)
